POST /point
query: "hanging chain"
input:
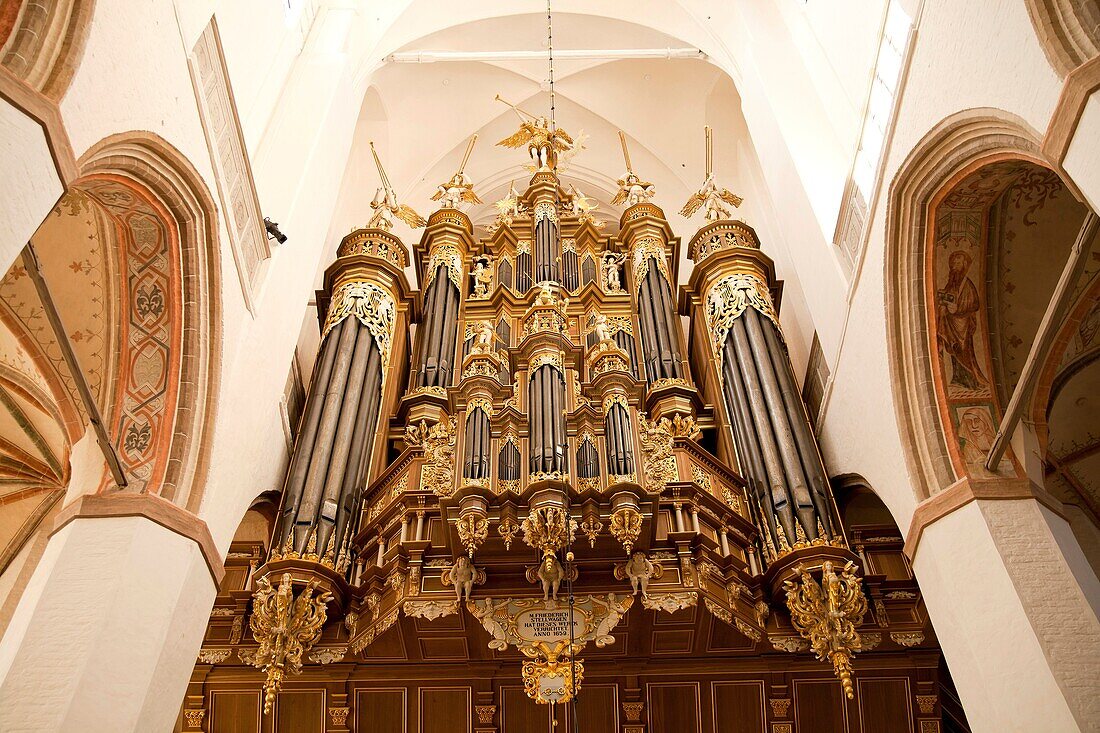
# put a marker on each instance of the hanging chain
(550, 58)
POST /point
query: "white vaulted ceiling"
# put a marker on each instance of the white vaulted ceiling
(421, 113)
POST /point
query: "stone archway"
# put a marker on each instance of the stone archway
(960, 145)
(41, 42)
(1068, 31)
(130, 253)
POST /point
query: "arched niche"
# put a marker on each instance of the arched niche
(130, 256)
(927, 198)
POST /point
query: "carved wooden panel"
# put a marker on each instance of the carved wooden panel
(235, 712)
(675, 707)
(520, 714)
(300, 711)
(381, 710)
(884, 706)
(445, 710)
(819, 707)
(738, 707)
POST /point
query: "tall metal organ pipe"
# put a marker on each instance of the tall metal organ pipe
(546, 398)
(771, 431)
(331, 456)
(436, 359)
(660, 329)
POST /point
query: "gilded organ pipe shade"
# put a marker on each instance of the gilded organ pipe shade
(660, 329)
(437, 347)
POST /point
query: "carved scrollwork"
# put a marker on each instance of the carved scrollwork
(371, 305)
(729, 298)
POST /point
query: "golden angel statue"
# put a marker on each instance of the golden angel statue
(508, 208)
(386, 208)
(710, 195)
(385, 204)
(458, 190)
(543, 144)
(632, 190)
(713, 198)
(482, 275)
(581, 206)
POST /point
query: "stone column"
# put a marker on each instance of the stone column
(110, 621)
(1014, 603)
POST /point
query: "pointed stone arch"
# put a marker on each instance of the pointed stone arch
(41, 43)
(956, 147)
(1068, 31)
(153, 169)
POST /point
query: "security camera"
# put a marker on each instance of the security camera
(273, 231)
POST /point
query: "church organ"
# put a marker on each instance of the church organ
(554, 502)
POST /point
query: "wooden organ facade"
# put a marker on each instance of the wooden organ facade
(524, 493)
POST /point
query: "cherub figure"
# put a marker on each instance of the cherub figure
(633, 190)
(713, 198)
(550, 573)
(639, 569)
(464, 576)
(484, 338)
(543, 144)
(482, 276)
(546, 294)
(601, 328)
(456, 191)
(612, 271)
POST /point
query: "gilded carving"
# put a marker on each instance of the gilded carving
(626, 526)
(371, 305)
(780, 706)
(549, 528)
(286, 628)
(727, 300)
(827, 614)
(438, 442)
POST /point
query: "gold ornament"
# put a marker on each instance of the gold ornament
(438, 442)
(552, 681)
(286, 628)
(827, 614)
(659, 464)
(549, 528)
(729, 298)
(373, 306)
(590, 528)
(626, 526)
(472, 530)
